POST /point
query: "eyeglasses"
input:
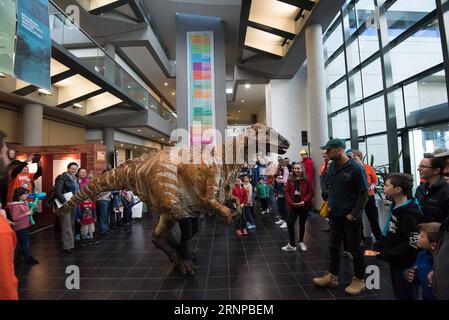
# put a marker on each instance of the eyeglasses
(421, 167)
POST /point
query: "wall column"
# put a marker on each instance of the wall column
(109, 141)
(316, 100)
(33, 124)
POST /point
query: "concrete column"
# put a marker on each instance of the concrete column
(316, 100)
(33, 123)
(109, 141)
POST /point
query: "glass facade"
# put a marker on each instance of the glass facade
(394, 78)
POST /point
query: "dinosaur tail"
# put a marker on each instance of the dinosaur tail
(122, 177)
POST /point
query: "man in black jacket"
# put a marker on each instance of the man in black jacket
(400, 246)
(65, 183)
(433, 196)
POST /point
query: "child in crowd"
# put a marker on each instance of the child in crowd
(21, 213)
(419, 273)
(279, 189)
(262, 193)
(249, 209)
(86, 219)
(238, 192)
(400, 231)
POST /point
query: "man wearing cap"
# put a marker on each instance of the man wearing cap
(347, 197)
(308, 165)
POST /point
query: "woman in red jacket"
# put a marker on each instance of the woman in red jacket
(239, 192)
(298, 193)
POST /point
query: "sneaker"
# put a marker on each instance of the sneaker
(84, 243)
(303, 246)
(284, 225)
(288, 247)
(245, 232)
(280, 221)
(347, 255)
(238, 232)
(328, 280)
(251, 226)
(94, 242)
(263, 212)
(356, 287)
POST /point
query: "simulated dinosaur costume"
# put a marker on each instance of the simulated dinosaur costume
(180, 191)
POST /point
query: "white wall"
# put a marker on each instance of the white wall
(286, 105)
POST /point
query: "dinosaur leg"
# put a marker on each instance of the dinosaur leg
(188, 229)
(160, 239)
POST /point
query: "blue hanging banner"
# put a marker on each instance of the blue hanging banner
(33, 48)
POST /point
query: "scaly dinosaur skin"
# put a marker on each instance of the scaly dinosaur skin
(175, 191)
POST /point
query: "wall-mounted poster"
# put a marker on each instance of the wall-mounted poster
(201, 91)
(33, 48)
(7, 33)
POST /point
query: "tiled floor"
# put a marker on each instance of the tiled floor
(126, 265)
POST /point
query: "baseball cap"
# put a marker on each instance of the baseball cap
(442, 154)
(303, 151)
(334, 143)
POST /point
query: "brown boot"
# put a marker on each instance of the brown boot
(356, 287)
(328, 280)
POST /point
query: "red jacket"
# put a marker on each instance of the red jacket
(305, 189)
(240, 193)
(18, 210)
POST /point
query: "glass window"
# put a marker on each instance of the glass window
(372, 78)
(354, 54)
(375, 116)
(352, 19)
(335, 40)
(399, 105)
(369, 43)
(426, 99)
(405, 13)
(340, 126)
(336, 69)
(358, 86)
(360, 120)
(339, 97)
(365, 10)
(377, 147)
(418, 53)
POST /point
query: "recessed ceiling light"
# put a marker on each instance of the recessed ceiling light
(77, 105)
(240, 111)
(121, 145)
(44, 91)
(138, 130)
(229, 91)
(129, 87)
(2, 75)
(172, 93)
(237, 118)
(166, 84)
(247, 86)
(153, 135)
(162, 139)
(242, 101)
(135, 147)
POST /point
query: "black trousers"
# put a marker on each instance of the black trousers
(189, 227)
(282, 206)
(373, 216)
(341, 229)
(403, 290)
(264, 203)
(291, 219)
(240, 220)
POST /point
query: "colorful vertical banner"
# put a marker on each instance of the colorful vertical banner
(33, 49)
(7, 34)
(201, 90)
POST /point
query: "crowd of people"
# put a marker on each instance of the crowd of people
(414, 240)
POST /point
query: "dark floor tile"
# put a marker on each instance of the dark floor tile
(125, 295)
(243, 294)
(216, 271)
(168, 295)
(173, 284)
(313, 292)
(279, 268)
(192, 295)
(222, 294)
(105, 284)
(72, 295)
(285, 279)
(150, 284)
(265, 293)
(137, 273)
(292, 293)
(128, 285)
(96, 295)
(143, 295)
(217, 283)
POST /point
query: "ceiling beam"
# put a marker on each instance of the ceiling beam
(81, 98)
(56, 78)
(278, 32)
(304, 4)
(244, 17)
(266, 53)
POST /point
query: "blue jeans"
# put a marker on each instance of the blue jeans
(249, 214)
(103, 208)
(23, 242)
(272, 198)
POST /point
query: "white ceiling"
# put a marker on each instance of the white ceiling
(254, 98)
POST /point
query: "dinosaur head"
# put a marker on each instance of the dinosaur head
(272, 139)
